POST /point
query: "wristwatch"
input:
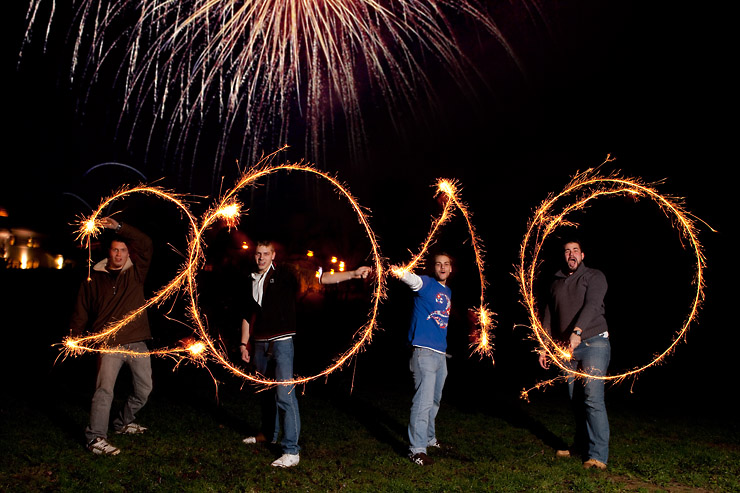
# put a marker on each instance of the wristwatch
(578, 332)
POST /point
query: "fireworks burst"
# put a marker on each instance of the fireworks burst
(255, 62)
(553, 213)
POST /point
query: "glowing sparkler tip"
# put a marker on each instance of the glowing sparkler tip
(230, 213)
(196, 349)
(89, 226)
(446, 187)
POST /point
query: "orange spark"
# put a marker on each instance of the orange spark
(230, 213)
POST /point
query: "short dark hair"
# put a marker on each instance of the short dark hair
(441, 254)
(433, 259)
(572, 240)
(267, 243)
(116, 237)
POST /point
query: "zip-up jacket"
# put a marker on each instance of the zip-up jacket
(576, 300)
(107, 298)
(276, 317)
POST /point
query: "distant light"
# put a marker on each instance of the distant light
(24, 260)
(333, 260)
(59, 261)
(309, 253)
(331, 271)
(318, 274)
(341, 266)
(245, 246)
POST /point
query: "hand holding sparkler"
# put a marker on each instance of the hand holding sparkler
(337, 277)
(574, 341)
(244, 346)
(110, 223)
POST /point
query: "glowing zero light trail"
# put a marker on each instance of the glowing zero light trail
(228, 209)
(553, 212)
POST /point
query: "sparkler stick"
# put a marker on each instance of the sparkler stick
(553, 213)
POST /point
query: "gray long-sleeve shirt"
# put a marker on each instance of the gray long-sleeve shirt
(576, 300)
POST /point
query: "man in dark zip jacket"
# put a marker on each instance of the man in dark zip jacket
(114, 291)
(574, 316)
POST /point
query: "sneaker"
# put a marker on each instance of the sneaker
(287, 460)
(438, 447)
(259, 438)
(132, 429)
(562, 453)
(421, 459)
(100, 446)
(595, 464)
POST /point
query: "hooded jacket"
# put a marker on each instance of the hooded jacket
(107, 298)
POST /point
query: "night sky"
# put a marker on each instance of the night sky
(646, 84)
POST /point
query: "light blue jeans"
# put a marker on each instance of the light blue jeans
(287, 416)
(429, 369)
(109, 365)
(592, 424)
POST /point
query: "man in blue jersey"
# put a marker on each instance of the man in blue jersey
(428, 337)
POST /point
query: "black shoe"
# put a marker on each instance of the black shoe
(421, 459)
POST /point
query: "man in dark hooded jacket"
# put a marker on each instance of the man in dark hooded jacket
(113, 292)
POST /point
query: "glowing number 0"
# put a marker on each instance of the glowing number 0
(587, 186)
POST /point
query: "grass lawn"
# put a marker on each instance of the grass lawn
(352, 441)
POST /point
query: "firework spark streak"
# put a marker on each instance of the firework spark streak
(553, 212)
(258, 59)
(483, 316)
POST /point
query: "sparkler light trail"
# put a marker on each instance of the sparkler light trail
(553, 213)
(201, 348)
(483, 316)
(256, 61)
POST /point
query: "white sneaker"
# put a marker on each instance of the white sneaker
(132, 429)
(250, 440)
(100, 446)
(287, 460)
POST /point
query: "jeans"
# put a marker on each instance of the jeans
(429, 369)
(287, 416)
(592, 424)
(109, 365)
